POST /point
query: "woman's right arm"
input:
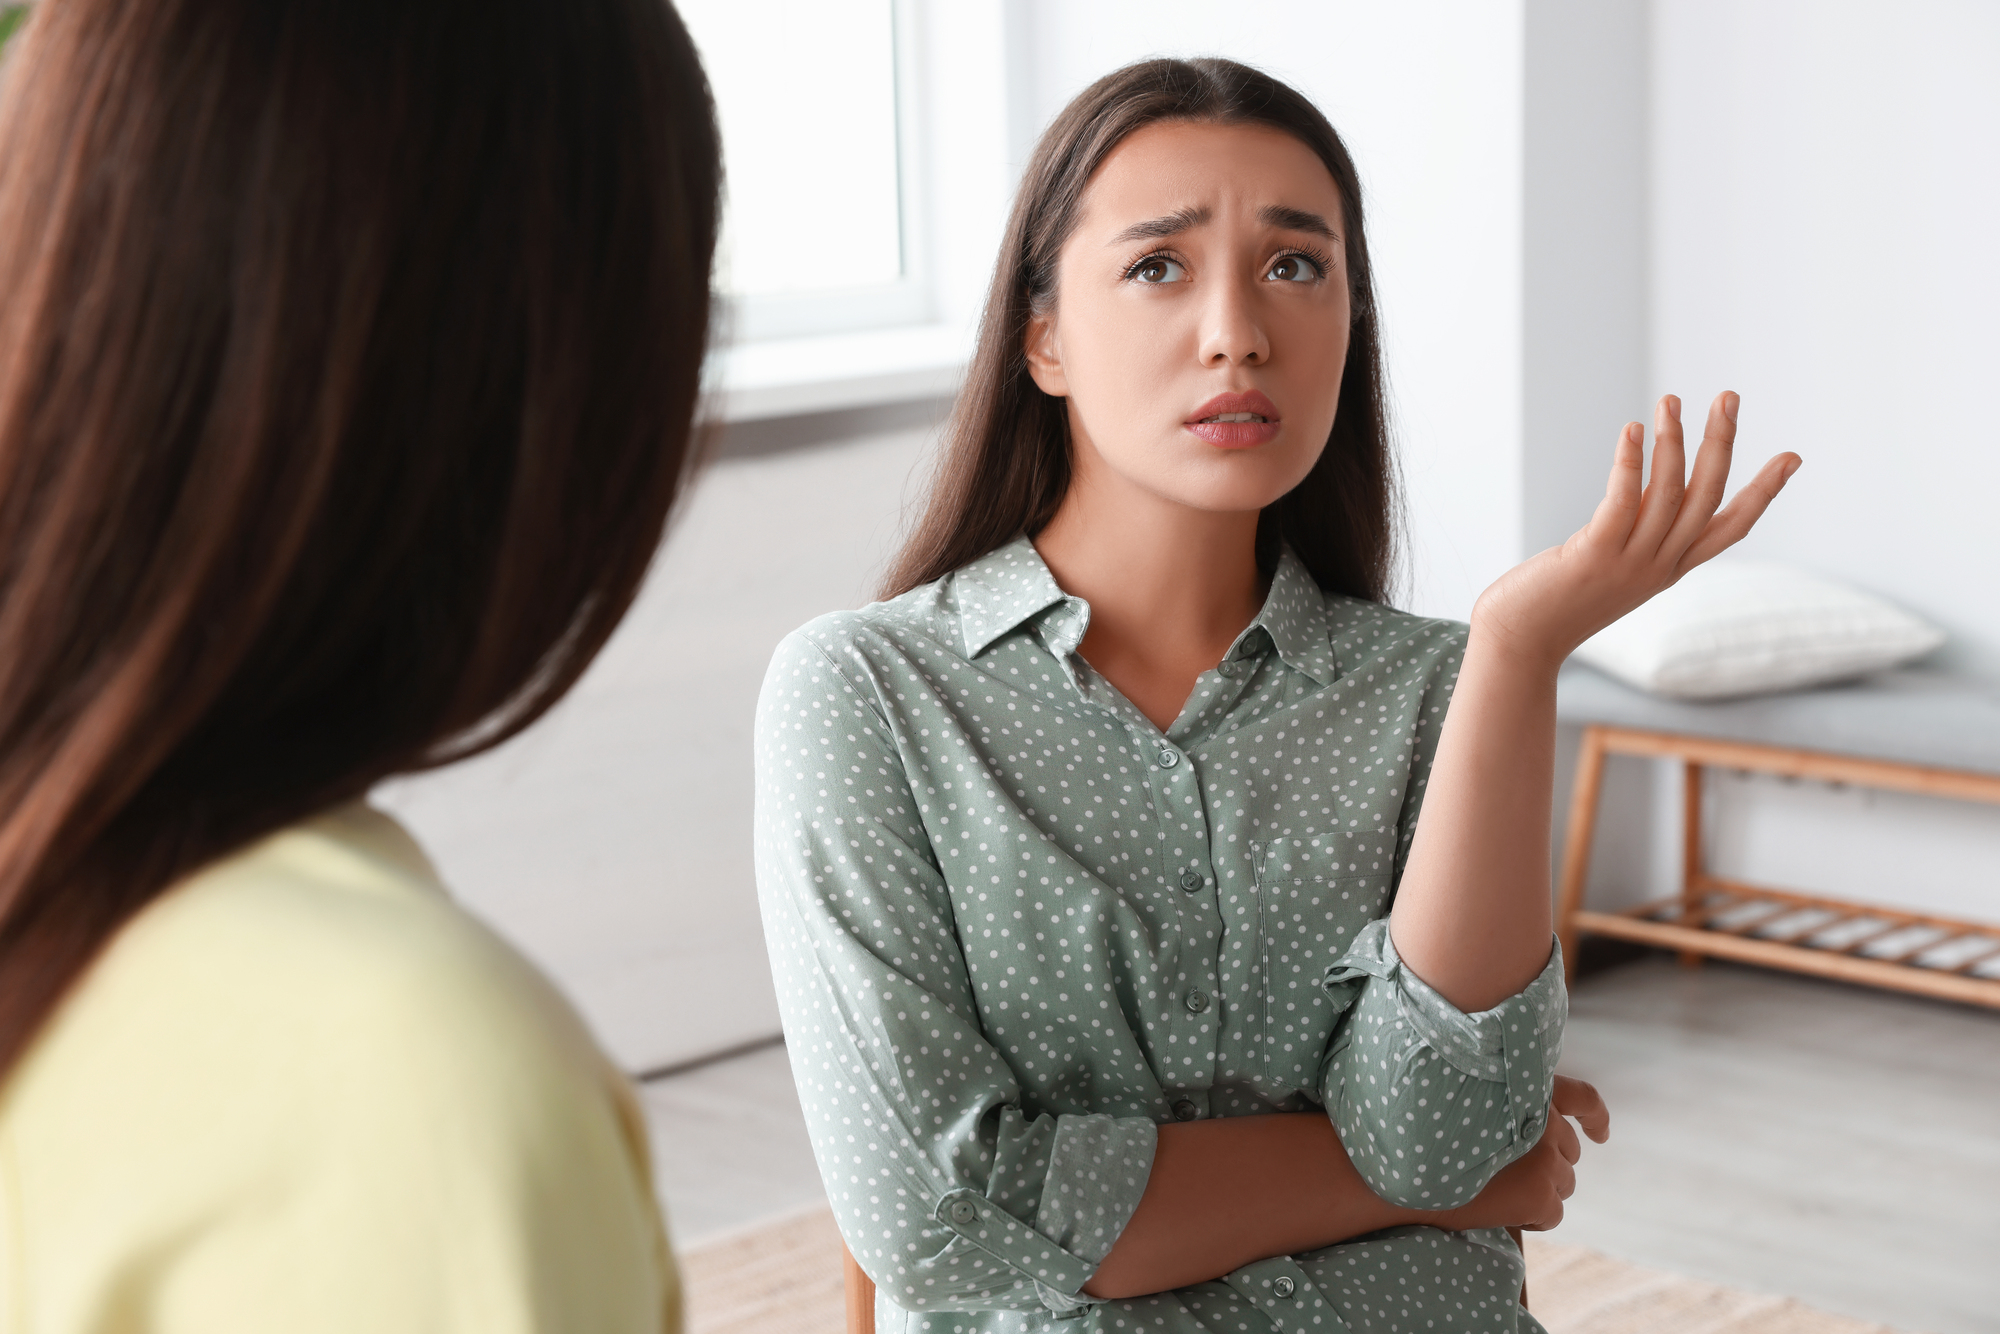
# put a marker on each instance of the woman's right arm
(1227, 1193)
(949, 1196)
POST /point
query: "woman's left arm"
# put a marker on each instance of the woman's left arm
(1472, 912)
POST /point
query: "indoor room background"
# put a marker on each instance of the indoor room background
(1576, 205)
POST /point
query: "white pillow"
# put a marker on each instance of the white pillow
(1743, 627)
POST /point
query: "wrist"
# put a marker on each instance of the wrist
(1498, 644)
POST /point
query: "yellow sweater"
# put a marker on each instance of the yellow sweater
(303, 1092)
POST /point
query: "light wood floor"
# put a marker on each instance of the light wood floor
(1770, 1132)
(1807, 1138)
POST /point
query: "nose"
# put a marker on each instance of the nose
(1232, 331)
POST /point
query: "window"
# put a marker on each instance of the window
(818, 232)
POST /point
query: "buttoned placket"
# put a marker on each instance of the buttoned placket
(1194, 1012)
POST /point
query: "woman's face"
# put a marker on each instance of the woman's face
(1201, 315)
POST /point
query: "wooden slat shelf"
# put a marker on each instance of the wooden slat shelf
(1659, 924)
(1716, 918)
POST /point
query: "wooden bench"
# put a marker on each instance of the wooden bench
(1910, 731)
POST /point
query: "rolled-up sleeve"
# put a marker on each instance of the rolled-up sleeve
(950, 1195)
(1430, 1101)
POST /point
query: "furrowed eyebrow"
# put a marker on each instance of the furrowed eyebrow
(1154, 228)
(1295, 220)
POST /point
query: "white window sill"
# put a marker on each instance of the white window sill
(786, 377)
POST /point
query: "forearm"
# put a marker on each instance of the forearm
(1472, 911)
(1226, 1193)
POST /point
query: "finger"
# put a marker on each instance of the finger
(1615, 514)
(1563, 1135)
(1565, 1181)
(1728, 528)
(1709, 479)
(1574, 1098)
(1662, 500)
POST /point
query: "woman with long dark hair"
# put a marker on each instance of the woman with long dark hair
(348, 354)
(1122, 981)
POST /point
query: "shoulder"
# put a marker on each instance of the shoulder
(310, 1039)
(928, 611)
(856, 647)
(1371, 638)
(322, 988)
(342, 928)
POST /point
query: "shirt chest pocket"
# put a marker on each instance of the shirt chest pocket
(1314, 893)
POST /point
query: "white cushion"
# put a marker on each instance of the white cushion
(1744, 627)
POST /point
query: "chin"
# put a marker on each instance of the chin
(1236, 495)
(1237, 480)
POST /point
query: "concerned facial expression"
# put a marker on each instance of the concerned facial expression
(1201, 316)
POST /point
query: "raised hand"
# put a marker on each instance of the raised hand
(1637, 543)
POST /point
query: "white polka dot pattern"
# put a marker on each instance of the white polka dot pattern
(1429, 1100)
(1015, 927)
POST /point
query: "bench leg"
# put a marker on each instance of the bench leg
(1576, 846)
(1690, 853)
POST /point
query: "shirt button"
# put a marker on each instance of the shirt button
(1186, 1111)
(1228, 668)
(1169, 757)
(1284, 1287)
(1190, 881)
(1196, 1000)
(962, 1211)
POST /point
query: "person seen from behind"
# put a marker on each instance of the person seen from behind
(348, 354)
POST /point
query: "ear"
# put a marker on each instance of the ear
(1044, 352)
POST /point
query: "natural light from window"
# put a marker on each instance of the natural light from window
(806, 93)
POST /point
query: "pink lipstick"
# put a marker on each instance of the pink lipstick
(1235, 421)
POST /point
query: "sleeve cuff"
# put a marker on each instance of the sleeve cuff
(1515, 1043)
(1097, 1172)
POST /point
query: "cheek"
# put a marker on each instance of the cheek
(1121, 357)
(1321, 339)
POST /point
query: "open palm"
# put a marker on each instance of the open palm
(1640, 540)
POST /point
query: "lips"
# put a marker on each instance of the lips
(1231, 421)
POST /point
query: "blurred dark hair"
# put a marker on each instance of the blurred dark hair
(1005, 459)
(348, 353)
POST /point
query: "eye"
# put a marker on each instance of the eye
(1293, 268)
(1155, 269)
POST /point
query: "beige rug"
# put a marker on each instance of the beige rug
(1573, 1290)
(784, 1277)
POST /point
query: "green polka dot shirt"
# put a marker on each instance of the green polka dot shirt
(1015, 928)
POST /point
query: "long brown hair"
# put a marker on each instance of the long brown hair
(348, 351)
(1005, 460)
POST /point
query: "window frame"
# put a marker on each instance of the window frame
(911, 298)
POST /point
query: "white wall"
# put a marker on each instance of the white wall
(1820, 199)
(1826, 188)
(1584, 255)
(1428, 99)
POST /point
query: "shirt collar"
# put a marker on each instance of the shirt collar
(1007, 587)
(1002, 589)
(1294, 617)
